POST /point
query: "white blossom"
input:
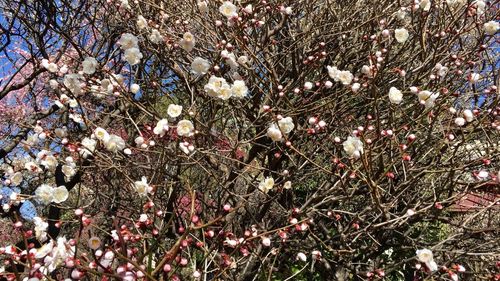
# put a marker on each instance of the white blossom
(353, 146)
(114, 143)
(239, 89)
(200, 66)
(491, 27)
(287, 185)
(88, 147)
(155, 36)
(133, 56)
(459, 121)
(161, 127)
(274, 133)
(427, 98)
(401, 35)
(424, 255)
(468, 115)
(128, 41)
(142, 187)
(188, 41)
(89, 65)
(286, 125)
(395, 95)
(135, 88)
(101, 134)
(228, 9)
(185, 128)
(218, 87)
(174, 110)
(44, 194)
(142, 23)
(40, 229)
(266, 184)
(50, 66)
(60, 194)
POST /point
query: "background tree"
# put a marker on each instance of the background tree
(250, 140)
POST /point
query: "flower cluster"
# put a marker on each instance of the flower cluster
(129, 44)
(218, 87)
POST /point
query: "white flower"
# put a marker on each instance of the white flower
(185, 128)
(266, 184)
(88, 147)
(155, 36)
(239, 89)
(441, 70)
(248, 9)
(401, 35)
(286, 125)
(424, 255)
(142, 187)
(459, 121)
(200, 66)
(174, 110)
(68, 171)
(395, 95)
(161, 127)
(40, 229)
(228, 9)
(133, 56)
(114, 143)
(468, 115)
(89, 65)
(491, 27)
(274, 133)
(60, 194)
(353, 146)
(266, 242)
(230, 59)
(203, 6)
(16, 178)
(302, 257)
(101, 134)
(427, 98)
(480, 6)
(142, 23)
(287, 185)
(73, 103)
(225, 92)
(73, 83)
(184, 148)
(49, 162)
(432, 265)
(243, 60)
(134, 88)
(128, 41)
(345, 77)
(50, 66)
(218, 87)
(333, 72)
(59, 254)
(139, 140)
(188, 41)
(425, 5)
(44, 194)
(44, 250)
